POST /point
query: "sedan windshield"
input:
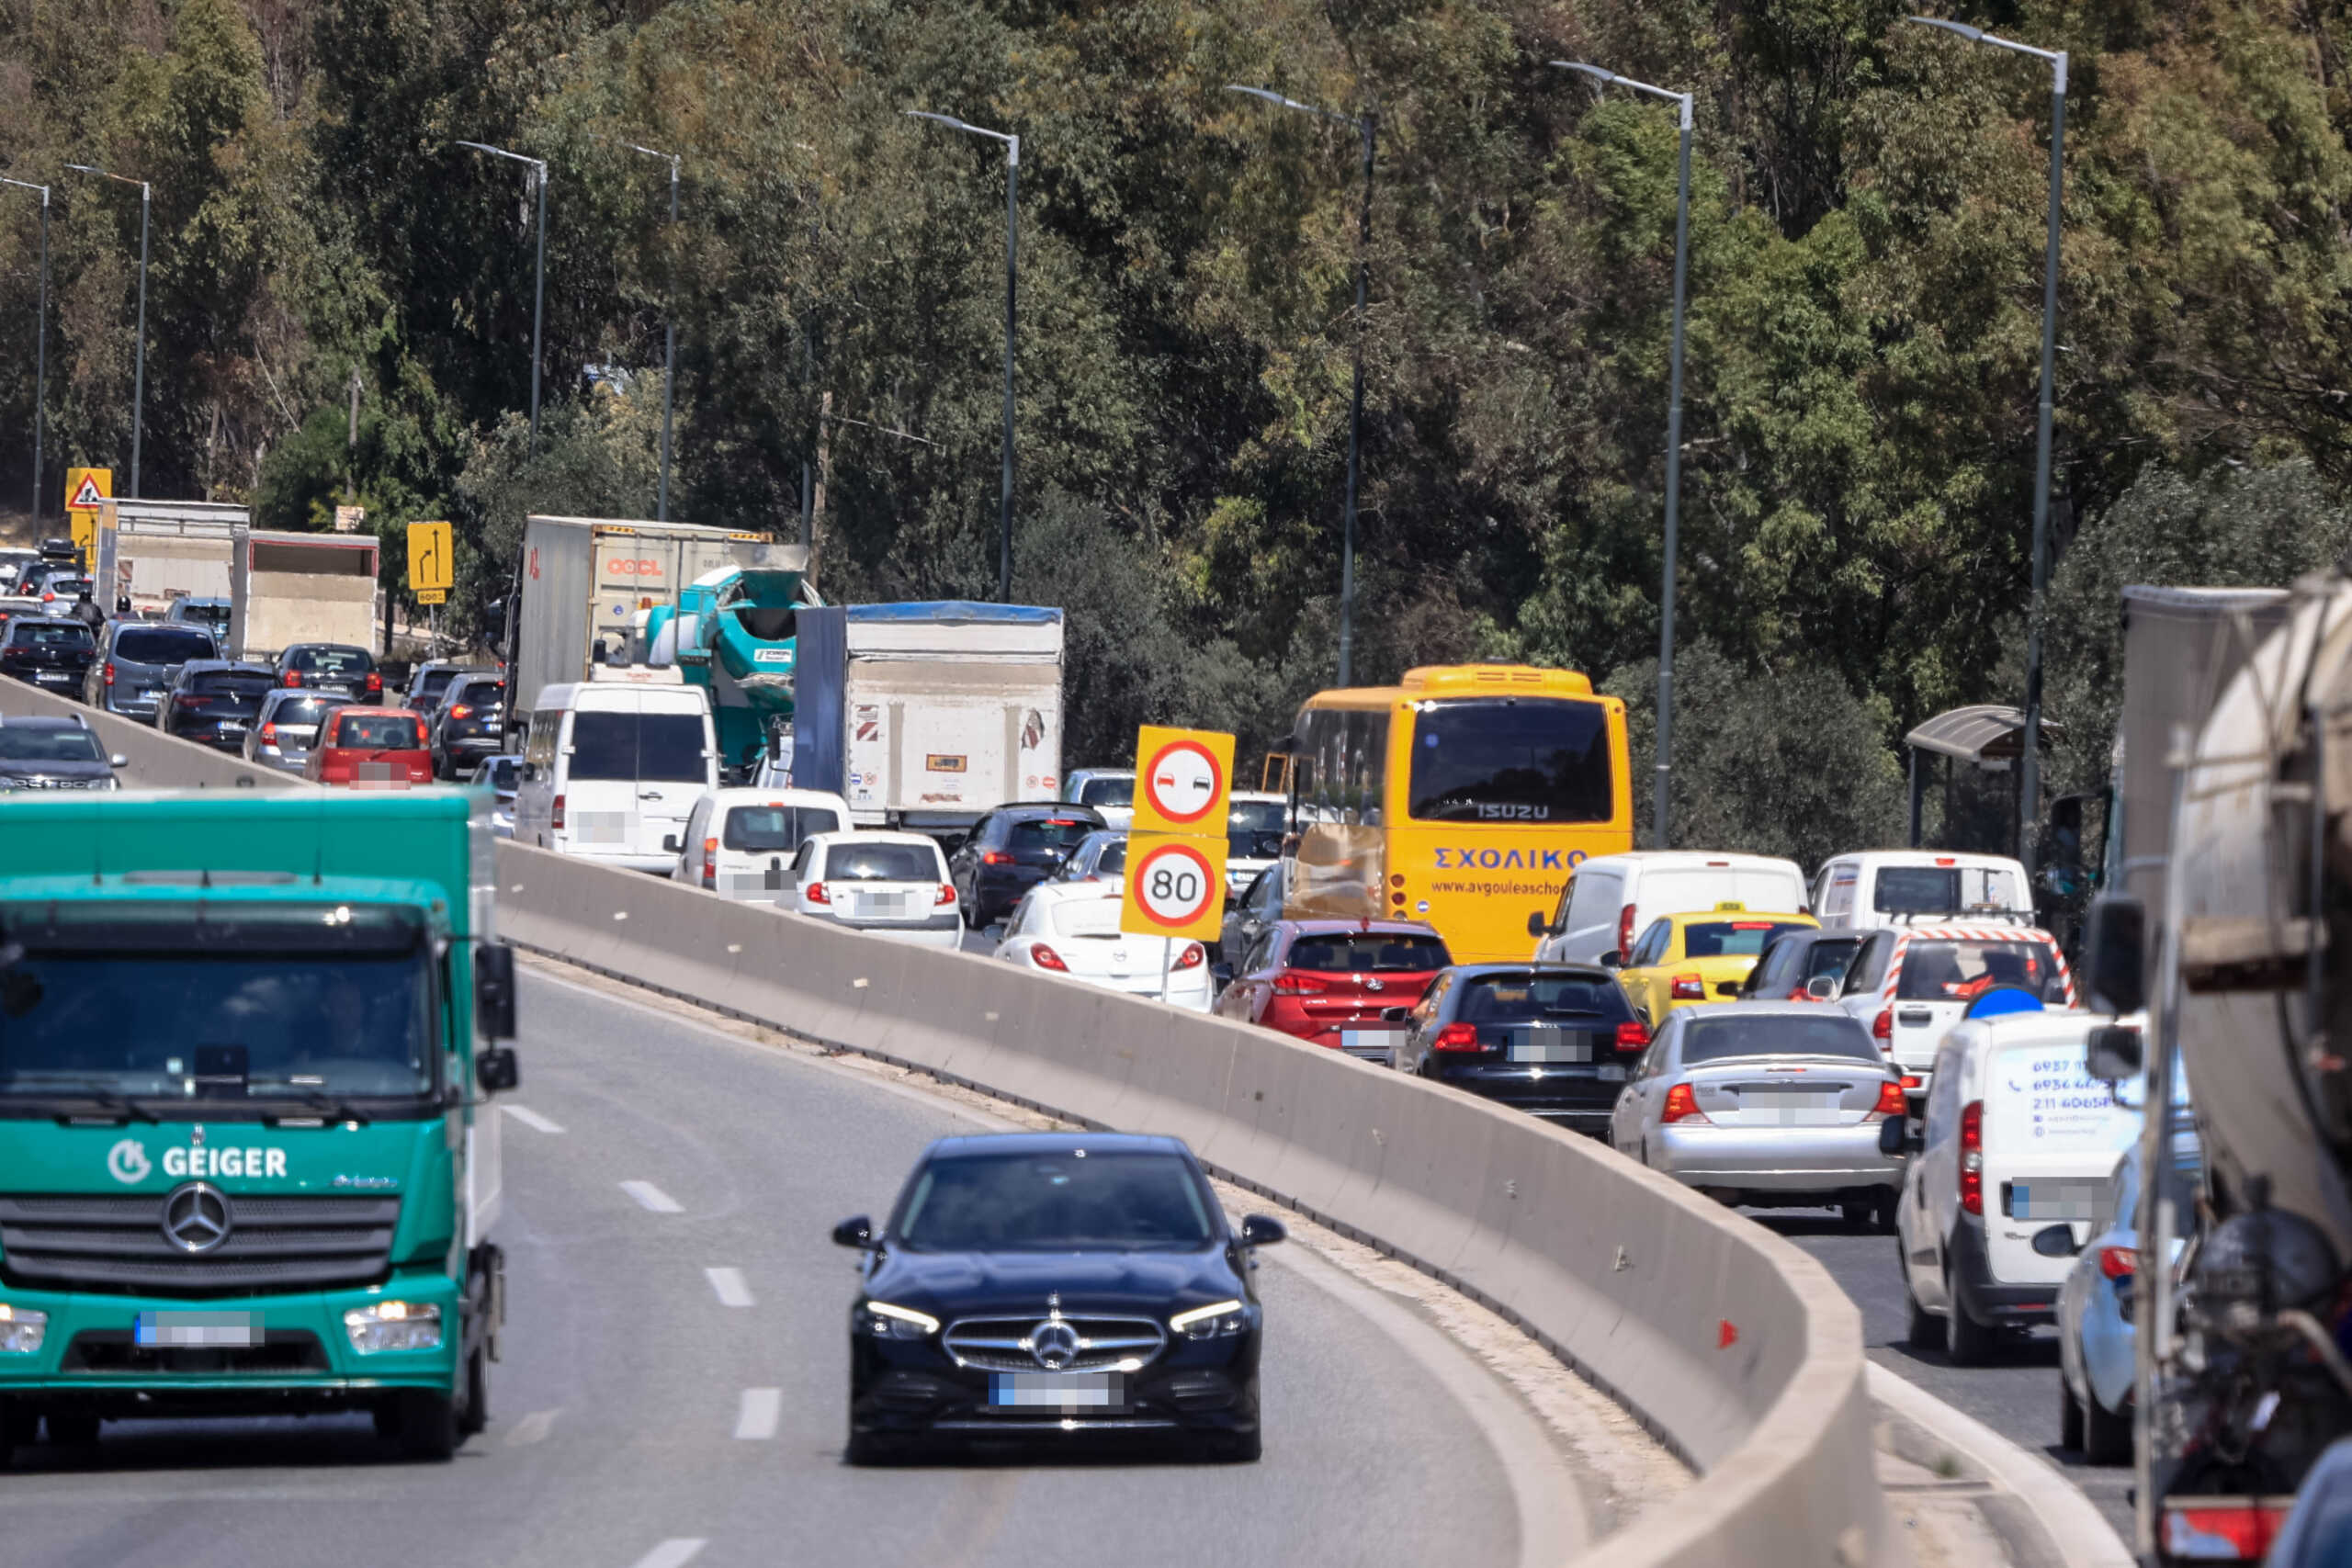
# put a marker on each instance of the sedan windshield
(1732, 939)
(19, 745)
(1094, 1201)
(1821, 1034)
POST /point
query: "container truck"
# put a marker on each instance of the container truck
(153, 552)
(925, 716)
(290, 588)
(250, 1165)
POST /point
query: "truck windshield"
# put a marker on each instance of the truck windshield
(208, 1001)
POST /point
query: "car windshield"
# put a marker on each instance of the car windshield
(163, 645)
(434, 681)
(1496, 998)
(1101, 1201)
(1963, 970)
(765, 830)
(882, 862)
(1504, 760)
(1732, 939)
(216, 1001)
(22, 745)
(1107, 791)
(213, 615)
(501, 771)
(1356, 952)
(1050, 833)
(1821, 1032)
(650, 748)
(1111, 860)
(231, 683)
(338, 663)
(379, 731)
(1942, 889)
(48, 634)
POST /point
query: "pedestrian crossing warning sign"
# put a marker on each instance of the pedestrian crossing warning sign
(86, 487)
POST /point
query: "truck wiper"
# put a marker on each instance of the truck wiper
(108, 1100)
(317, 1100)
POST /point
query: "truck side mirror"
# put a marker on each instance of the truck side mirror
(2115, 950)
(1536, 924)
(2113, 1053)
(496, 1070)
(494, 990)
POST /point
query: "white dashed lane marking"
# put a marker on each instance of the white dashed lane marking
(729, 1283)
(532, 1119)
(654, 1201)
(761, 1412)
(675, 1552)
(531, 1428)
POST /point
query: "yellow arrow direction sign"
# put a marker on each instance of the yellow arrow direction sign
(431, 563)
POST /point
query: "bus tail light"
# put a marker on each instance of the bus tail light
(1681, 1105)
(1971, 1156)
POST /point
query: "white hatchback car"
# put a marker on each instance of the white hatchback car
(1072, 929)
(892, 884)
(740, 842)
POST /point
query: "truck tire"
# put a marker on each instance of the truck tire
(428, 1425)
(476, 1414)
(2106, 1436)
(1968, 1342)
(73, 1428)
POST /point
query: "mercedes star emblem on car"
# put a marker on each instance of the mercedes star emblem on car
(1054, 1344)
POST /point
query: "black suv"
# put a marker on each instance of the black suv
(135, 660)
(214, 701)
(1012, 850)
(47, 652)
(431, 681)
(333, 667)
(53, 753)
(469, 723)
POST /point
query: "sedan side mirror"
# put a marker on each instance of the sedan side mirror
(1612, 958)
(496, 1070)
(1262, 1230)
(857, 1231)
(1395, 1015)
(2056, 1241)
(1821, 988)
(118, 761)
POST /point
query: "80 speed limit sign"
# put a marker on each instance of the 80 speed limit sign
(1175, 887)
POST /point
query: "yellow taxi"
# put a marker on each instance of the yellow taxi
(1699, 956)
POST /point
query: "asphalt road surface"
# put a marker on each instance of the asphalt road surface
(674, 1364)
(2018, 1396)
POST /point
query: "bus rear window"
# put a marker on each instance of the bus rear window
(1511, 760)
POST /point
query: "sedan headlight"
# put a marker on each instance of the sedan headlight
(21, 1329)
(1211, 1321)
(885, 1320)
(393, 1325)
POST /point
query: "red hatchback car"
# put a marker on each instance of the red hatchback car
(1341, 984)
(371, 749)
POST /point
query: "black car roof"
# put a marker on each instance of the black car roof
(975, 1144)
(1581, 971)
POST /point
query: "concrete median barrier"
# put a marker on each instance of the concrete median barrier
(1733, 1347)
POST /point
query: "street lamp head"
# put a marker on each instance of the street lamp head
(1974, 35)
(1595, 71)
(1269, 96)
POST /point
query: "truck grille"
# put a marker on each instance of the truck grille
(1004, 1344)
(116, 1243)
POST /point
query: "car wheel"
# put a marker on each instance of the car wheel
(1883, 1210)
(2070, 1415)
(1859, 1215)
(1968, 1342)
(1232, 1448)
(1925, 1330)
(2106, 1436)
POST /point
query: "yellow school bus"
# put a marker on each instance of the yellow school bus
(1461, 796)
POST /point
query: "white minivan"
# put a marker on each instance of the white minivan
(2017, 1138)
(1887, 887)
(1610, 897)
(739, 842)
(612, 772)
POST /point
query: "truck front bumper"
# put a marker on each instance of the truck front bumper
(90, 1356)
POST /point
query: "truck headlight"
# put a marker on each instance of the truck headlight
(393, 1325)
(1209, 1322)
(21, 1329)
(886, 1321)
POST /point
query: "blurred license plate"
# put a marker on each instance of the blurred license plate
(231, 725)
(1541, 1044)
(2052, 1200)
(1796, 1110)
(881, 903)
(1058, 1391)
(1368, 1039)
(199, 1330)
(61, 677)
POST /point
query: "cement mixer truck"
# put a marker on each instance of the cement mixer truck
(733, 633)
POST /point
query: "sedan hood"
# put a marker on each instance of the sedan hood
(964, 1284)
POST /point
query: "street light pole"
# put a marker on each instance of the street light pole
(1364, 127)
(1664, 773)
(540, 285)
(1012, 289)
(669, 348)
(2030, 761)
(139, 351)
(40, 339)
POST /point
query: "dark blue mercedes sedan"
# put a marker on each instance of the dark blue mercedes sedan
(1054, 1285)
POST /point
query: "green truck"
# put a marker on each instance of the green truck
(247, 1164)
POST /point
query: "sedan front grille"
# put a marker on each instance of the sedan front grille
(117, 1245)
(1009, 1344)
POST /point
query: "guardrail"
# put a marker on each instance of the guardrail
(1733, 1347)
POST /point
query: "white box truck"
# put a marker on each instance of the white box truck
(925, 716)
(290, 588)
(586, 584)
(156, 551)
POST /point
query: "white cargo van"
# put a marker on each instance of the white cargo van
(1888, 888)
(612, 772)
(739, 842)
(1610, 897)
(2019, 1136)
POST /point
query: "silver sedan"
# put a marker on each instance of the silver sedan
(1771, 1104)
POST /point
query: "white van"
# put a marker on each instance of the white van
(739, 842)
(1887, 887)
(1610, 897)
(612, 772)
(2017, 1138)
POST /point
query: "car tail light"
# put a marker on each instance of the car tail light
(110, 672)
(1883, 1029)
(816, 892)
(1291, 983)
(269, 733)
(461, 710)
(375, 682)
(1633, 1035)
(1624, 931)
(1193, 955)
(293, 677)
(1910, 1081)
(555, 815)
(996, 857)
(191, 701)
(1681, 1105)
(1971, 1156)
(1456, 1037)
(710, 862)
(2119, 1262)
(1689, 989)
(944, 897)
(1891, 1103)
(2224, 1529)
(1044, 957)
